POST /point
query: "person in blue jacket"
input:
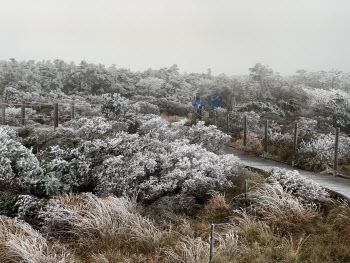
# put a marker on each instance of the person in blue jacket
(214, 101)
(198, 104)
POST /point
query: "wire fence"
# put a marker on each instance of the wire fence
(53, 113)
(225, 121)
(50, 111)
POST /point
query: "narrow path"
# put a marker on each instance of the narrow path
(336, 184)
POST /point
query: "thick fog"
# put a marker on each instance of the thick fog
(228, 36)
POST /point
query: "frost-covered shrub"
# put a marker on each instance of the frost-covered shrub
(323, 97)
(16, 161)
(208, 137)
(280, 139)
(28, 208)
(306, 190)
(236, 123)
(128, 163)
(147, 108)
(177, 168)
(220, 118)
(333, 104)
(91, 128)
(35, 95)
(116, 106)
(66, 171)
(322, 148)
(307, 126)
(264, 107)
(59, 136)
(171, 107)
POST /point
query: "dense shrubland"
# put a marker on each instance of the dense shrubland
(121, 184)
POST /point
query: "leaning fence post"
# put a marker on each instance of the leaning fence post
(295, 143)
(245, 131)
(23, 113)
(336, 148)
(265, 140)
(211, 243)
(55, 115)
(72, 110)
(3, 109)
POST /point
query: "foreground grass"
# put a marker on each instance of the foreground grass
(90, 229)
(277, 227)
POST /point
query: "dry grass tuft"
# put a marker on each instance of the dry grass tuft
(103, 223)
(216, 210)
(173, 118)
(279, 208)
(19, 242)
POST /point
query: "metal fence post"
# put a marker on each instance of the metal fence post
(23, 113)
(336, 149)
(72, 110)
(245, 188)
(211, 243)
(245, 131)
(295, 144)
(55, 108)
(265, 140)
(3, 111)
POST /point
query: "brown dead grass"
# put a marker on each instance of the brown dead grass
(216, 210)
(174, 118)
(108, 230)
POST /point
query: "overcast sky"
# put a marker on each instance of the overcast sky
(228, 36)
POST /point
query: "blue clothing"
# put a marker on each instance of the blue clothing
(198, 104)
(214, 101)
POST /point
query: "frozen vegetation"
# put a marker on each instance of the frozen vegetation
(130, 180)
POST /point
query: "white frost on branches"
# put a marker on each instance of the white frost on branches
(16, 161)
(306, 190)
(209, 137)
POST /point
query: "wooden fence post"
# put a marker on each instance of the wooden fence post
(23, 113)
(228, 119)
(245, 131)
(265, 140)
(214, 117)
(194, 116)
(3, 111)
(55, 109)
(295, 144)
(72, 108)
(336, 149)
